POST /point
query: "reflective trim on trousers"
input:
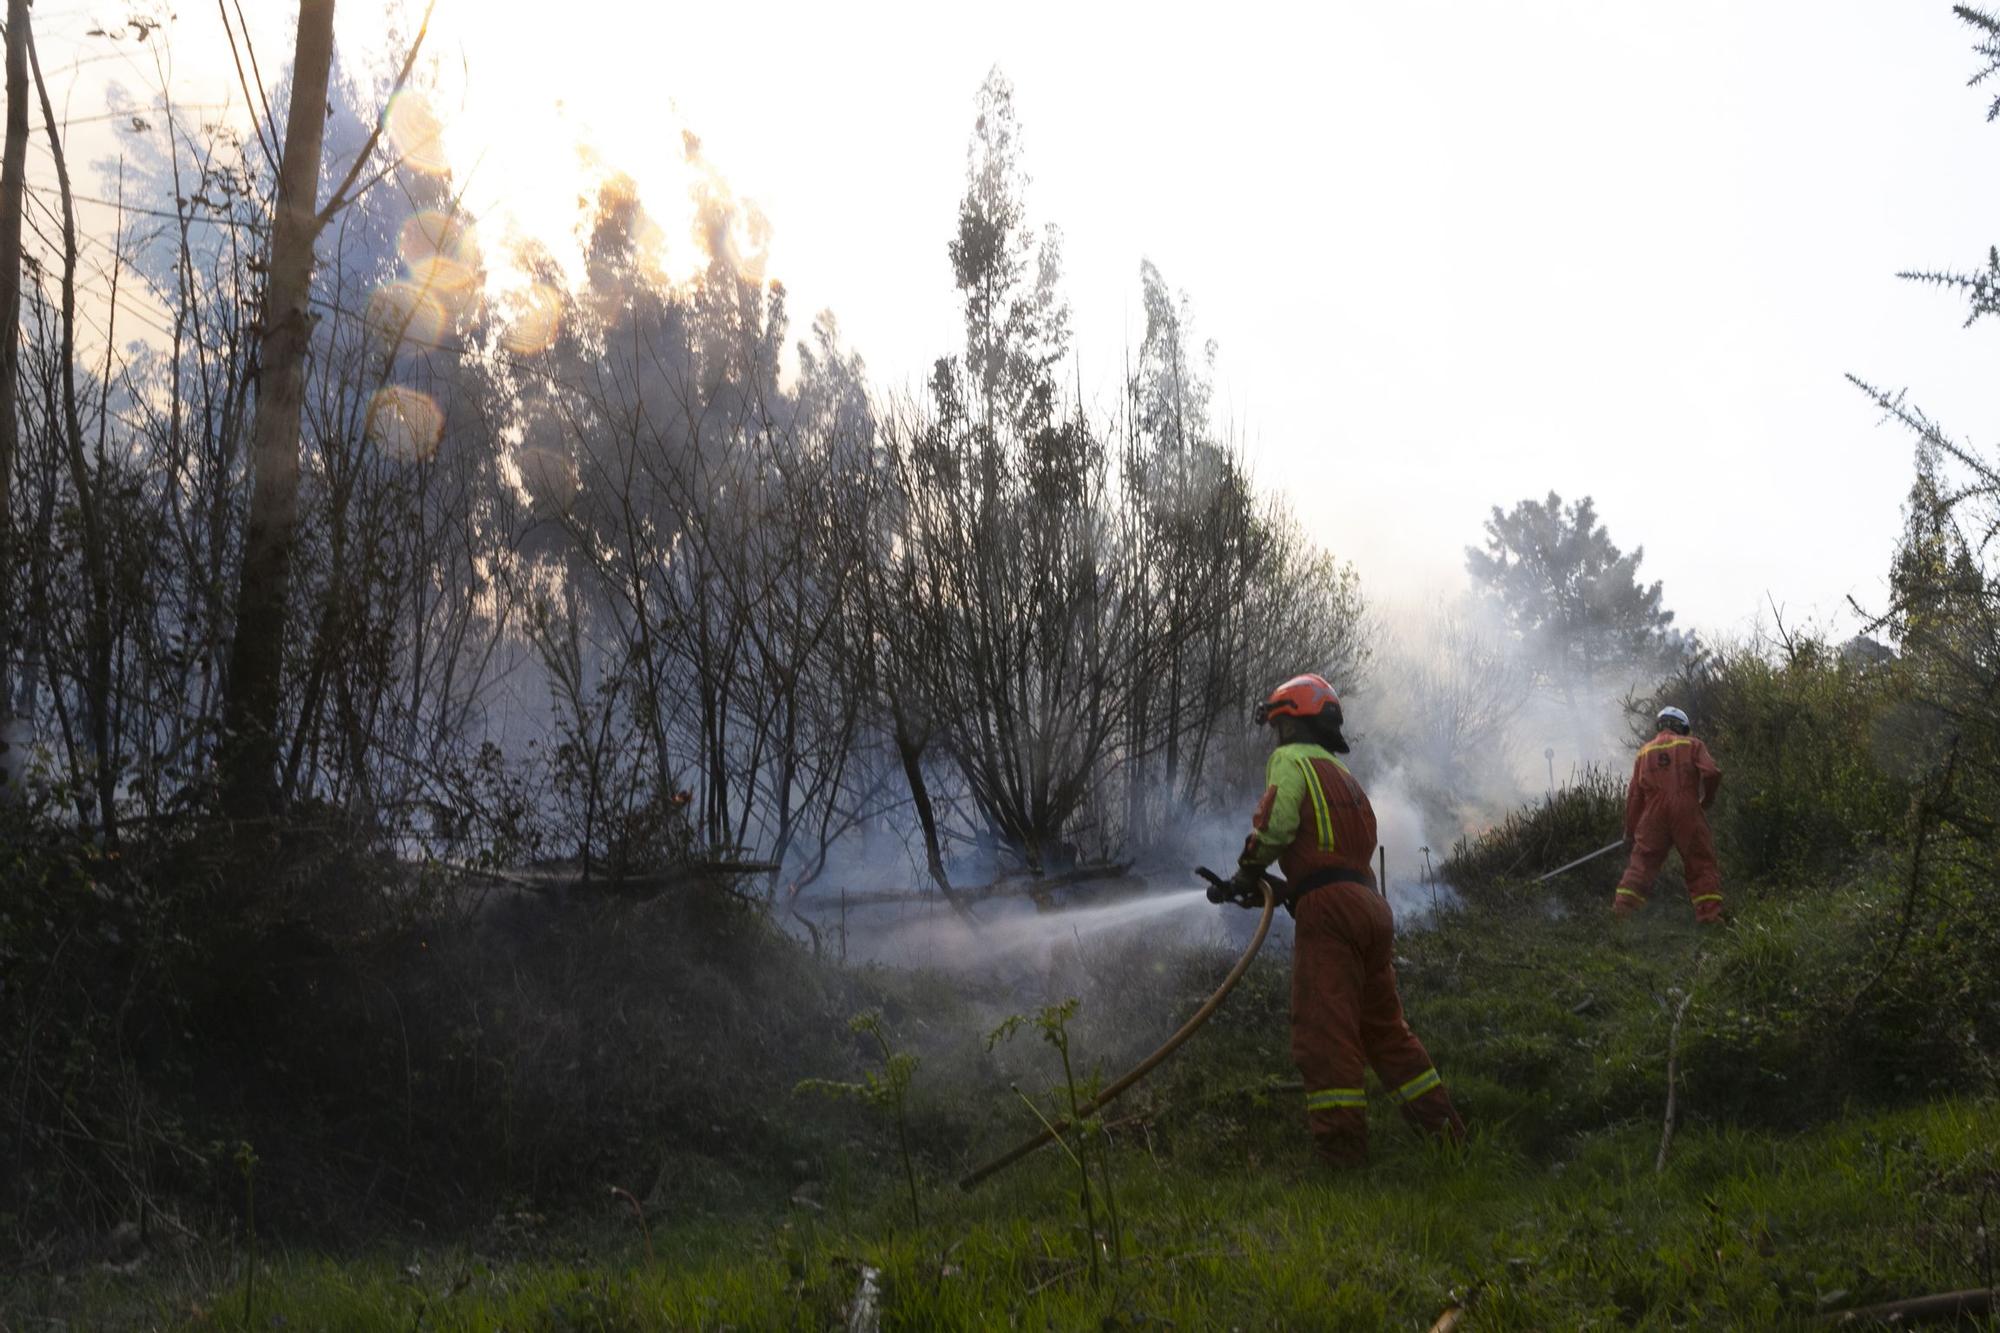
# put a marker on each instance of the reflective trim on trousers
(1425, 1082)
(1333, 1099)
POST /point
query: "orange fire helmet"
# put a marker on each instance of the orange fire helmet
(1301, 696)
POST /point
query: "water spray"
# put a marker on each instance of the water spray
(1146, 1066)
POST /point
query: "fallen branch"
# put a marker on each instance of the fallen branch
(1919, 1309)
(1673, 1081)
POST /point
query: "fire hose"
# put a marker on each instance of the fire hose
(1586, 857)
(1151, 1062)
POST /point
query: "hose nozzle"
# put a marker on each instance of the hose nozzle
(1221, 891)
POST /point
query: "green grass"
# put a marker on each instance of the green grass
(1816, 1166)
(1743, 1230)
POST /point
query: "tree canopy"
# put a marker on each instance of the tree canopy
(1570, 595)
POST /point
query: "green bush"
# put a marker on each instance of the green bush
(93, 961)
(1801, 735)
(1496, 867)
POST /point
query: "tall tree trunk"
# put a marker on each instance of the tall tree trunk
(12, 179)
(257, 652)
(911, 753)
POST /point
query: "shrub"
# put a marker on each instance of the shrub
(1800, 731)
(93, 961)
(1496, 867)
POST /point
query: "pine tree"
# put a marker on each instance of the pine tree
(1571, 596)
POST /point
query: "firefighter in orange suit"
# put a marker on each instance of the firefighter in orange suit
(1316, 823)
(1674, 781)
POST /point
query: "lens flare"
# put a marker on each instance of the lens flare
(445, 281)
(536, 318)
(441, 259)
(403, 313)
(404, 423)
(416, 133)
(432, 234)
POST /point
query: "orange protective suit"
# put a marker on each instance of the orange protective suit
(1346, 1015)
(1674, 780)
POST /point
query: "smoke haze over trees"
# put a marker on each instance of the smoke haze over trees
(449, 683)
(607, 571)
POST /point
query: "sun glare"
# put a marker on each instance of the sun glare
(533, 120)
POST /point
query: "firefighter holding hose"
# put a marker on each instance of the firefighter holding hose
(1674, 781)
(1316, 823)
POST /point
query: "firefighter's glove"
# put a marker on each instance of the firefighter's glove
(1246, 886)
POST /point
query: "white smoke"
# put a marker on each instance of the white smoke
(1410, 849)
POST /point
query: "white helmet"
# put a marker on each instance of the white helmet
(1672, 714)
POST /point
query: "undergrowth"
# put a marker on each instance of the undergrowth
(1743, 1231)
(204, 1087)
(1833, 1146)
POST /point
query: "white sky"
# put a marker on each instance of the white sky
(1454, 254)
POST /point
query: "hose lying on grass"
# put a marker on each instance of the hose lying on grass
(1145, 1066)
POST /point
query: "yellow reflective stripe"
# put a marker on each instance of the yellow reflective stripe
(1665, 745)
(1319, 805)
(1419, 1085)
(1631, 893)
(1707, 898)
(1327, 1099)
(1321, 814)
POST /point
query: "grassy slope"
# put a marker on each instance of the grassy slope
(1552, 1035)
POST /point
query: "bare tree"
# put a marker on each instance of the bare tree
(270, 534)
(96, 723)
(13, 178)
(256, 659)
(1198, 552)
(656, 600)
